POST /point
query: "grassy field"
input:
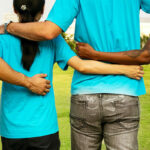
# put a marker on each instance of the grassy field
(62, 82)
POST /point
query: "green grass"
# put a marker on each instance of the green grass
(62, 83)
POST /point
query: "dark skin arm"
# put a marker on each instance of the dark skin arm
(133, 57)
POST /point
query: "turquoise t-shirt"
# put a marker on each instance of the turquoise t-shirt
(108, 26)
(24, 114)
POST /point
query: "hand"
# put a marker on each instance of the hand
(39, 85)
(86, 51)
(135, 72)
(2, 29)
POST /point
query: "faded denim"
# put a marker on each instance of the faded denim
(114, 118)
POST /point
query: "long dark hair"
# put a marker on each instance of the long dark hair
(28, 10)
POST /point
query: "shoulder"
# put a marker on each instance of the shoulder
(7, 38)
(52, 43)
(59, 41)
(46, 44)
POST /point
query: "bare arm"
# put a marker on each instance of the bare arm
(37, 31)
(36, 84)
(96, 67)
(7, 74)
(133, 57)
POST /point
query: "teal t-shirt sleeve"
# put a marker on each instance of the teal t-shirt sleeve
(63, 52)
(63, 13)
(145, 5)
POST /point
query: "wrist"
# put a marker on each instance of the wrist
(9, 27)
(123, 69)
(97, 55)
(6, 27)
(27, 82)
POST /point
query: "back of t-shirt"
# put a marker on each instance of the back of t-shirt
(24, 114)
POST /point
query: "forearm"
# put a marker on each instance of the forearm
(7, 74)
(127, 58)
(133, 57)
(95, 67)
(37, 31)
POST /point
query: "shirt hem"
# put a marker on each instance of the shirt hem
(108, 92)
(31, 135)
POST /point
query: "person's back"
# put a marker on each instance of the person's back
(109, 26)
(25, 114)
(113, 27)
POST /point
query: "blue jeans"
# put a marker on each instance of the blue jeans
(114, 118)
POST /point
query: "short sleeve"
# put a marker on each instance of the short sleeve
(145, 5)
(63, 52)
(63, 13)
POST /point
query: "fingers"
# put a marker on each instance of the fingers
(138, 78)
(48, 82)
(141, 68)
(48, 86)
(47, 90)
(42, 75)
(80, 44)
(44, 93)
(77, 47)
(80, 51)
(140, 74)
(39, 84)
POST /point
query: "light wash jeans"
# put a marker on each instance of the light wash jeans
(114, 118)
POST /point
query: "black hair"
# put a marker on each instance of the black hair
(28, 10)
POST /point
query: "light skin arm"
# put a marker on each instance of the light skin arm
(37, 84)
(36, 31)
(133, 57)
(96, 67)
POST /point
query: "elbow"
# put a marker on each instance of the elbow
(46, 32)
(82, 69)
(50, 31)
(144, 60)
(45, 35)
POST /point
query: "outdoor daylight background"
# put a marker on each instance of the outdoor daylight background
(62, 82)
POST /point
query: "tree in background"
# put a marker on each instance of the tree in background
(144, 39)
(70, 40)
